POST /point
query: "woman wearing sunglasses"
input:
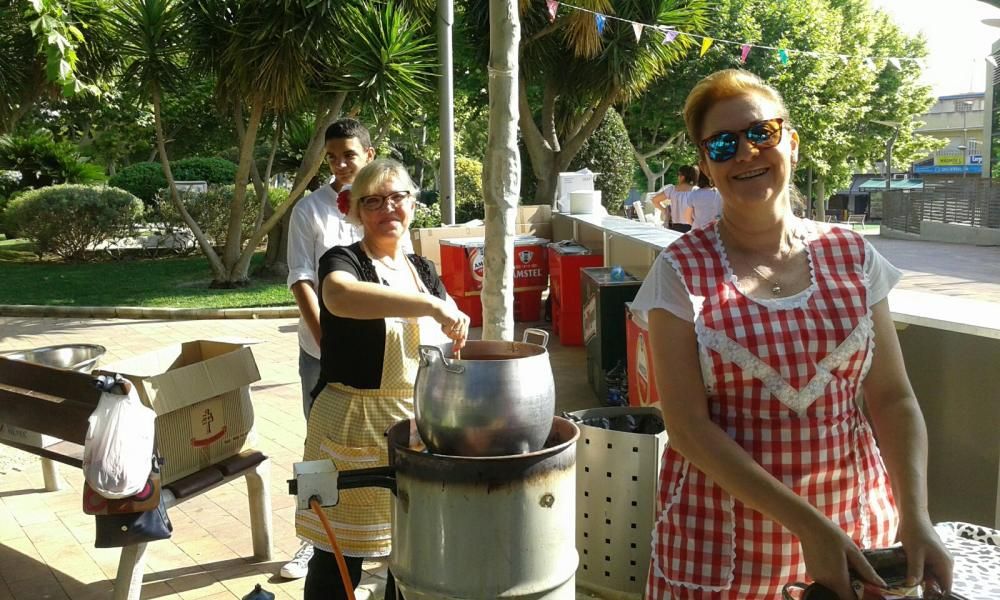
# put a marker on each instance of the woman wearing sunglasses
(765, 330)
(378, 305)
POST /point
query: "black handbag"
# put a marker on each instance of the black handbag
(116, 531)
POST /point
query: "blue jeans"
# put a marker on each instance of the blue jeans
(309, 369)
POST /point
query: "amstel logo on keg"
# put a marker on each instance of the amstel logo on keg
(477, 263)
(525, 256)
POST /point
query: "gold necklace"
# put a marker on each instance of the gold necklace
(775, 286)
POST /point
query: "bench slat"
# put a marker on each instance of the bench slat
(57, 417)
(67, 453)
(49, 380)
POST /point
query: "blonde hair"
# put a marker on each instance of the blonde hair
(371, 177)
(723, 85)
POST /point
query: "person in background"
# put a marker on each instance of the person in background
(675, 197)
(765, 328)
(318, 224)
(704, 204)
(386, 303)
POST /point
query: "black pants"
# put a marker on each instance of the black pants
(681, 227)
(323, 581)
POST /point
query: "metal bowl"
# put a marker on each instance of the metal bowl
(74, 357)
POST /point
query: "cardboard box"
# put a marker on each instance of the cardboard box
(200, 392)
(572, 181)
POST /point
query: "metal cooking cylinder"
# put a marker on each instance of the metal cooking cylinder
(485, 527)
(497, 400)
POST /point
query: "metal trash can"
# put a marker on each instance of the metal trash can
(603, 299)
(616, 475)
(74, 357)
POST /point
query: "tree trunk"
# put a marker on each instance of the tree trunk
(218, 270)
(311, 160)
(502, 172)
(237, 273)
(820, 198)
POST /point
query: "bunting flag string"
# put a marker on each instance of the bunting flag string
(706, 42)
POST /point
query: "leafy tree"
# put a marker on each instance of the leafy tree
(832, 103)
(570, 75)
(608, 152)
(45, 52)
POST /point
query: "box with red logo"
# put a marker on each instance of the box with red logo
(641, 378)
(463, 264)
(565, 261)
(200, 392)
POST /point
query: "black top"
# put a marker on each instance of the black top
(353, 350)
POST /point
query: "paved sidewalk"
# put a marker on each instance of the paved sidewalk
(46, 542)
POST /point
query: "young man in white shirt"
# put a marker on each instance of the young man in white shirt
(317, 225)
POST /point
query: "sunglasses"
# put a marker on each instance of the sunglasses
(722, 146)
(376, 202)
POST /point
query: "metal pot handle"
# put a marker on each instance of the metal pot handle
(539, 332)
(426, 359)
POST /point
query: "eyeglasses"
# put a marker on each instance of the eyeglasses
(722, 146)
(376, 202)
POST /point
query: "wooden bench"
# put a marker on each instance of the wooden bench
(58, 403)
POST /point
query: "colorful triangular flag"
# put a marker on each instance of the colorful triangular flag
(744, 52)
(637, 28)
(599, 20)
(553, 8)
(992, 61)
(783, 56)
(895, 62)
(669, 36)
(706, 43)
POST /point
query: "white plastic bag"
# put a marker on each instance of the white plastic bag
(118, 448)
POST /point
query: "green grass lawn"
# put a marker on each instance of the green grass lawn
(169, 282)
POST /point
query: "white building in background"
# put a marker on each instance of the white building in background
(959, 120)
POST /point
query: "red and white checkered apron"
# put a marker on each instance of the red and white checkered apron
(781, 377)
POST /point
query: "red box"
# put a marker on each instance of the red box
(565, 263)
(463, 262)
(527, 307)
(641, 375)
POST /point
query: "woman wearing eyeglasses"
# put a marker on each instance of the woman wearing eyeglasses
(765, 329)
(378, 305)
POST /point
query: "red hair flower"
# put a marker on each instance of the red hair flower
(344, 201)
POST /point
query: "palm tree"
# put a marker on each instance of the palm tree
(576, 74)
(150, 35)
(276, 57)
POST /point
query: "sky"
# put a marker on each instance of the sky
(957, 40)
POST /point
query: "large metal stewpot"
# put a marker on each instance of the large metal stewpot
(497, 399)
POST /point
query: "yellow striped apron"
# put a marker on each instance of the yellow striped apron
(347, 425)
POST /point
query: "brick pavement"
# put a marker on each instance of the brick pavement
(46, 543)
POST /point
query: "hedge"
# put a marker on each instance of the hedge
(68, 220)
